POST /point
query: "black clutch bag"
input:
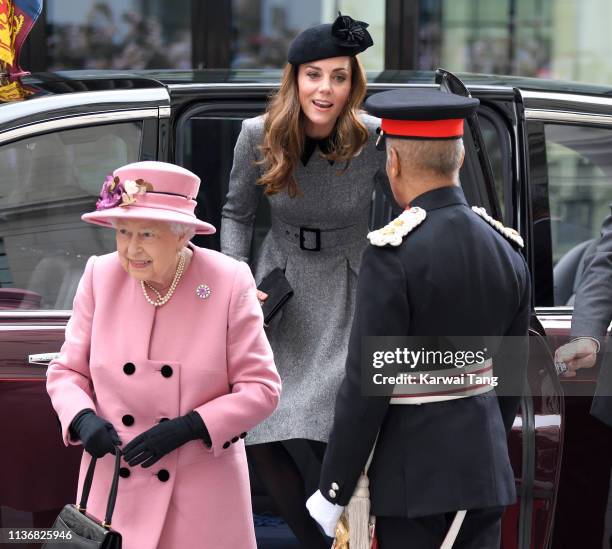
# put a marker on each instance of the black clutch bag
(276, 285)
(80, 530)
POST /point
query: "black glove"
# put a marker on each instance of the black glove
(150, 446)
(97, 435)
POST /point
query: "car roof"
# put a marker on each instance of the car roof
(66, 82)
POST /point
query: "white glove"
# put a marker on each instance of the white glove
(324, 512)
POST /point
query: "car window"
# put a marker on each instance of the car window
(48, 181)
(205, 145)
(497, 143)
(579, 162)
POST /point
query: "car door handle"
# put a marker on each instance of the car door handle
(42, 359)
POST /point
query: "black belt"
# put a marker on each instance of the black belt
(314, 240)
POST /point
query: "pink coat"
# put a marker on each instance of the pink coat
(123, 357)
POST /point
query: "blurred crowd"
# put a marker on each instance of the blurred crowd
(121, 38)
(110, 40)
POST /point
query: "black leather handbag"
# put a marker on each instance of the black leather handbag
(80, 530)
(276, 285)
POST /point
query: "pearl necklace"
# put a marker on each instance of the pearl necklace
(162, 300)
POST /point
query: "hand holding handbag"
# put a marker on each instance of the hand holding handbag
(82, 530)
(276, 285)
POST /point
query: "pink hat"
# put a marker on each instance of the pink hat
(149, 190)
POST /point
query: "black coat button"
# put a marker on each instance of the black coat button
(235, 439)
(129, 368)
(226, 445)
(128, 420)
(124, 472)
(166, 371)
(163, 419)
(163, 475)
(242, 435)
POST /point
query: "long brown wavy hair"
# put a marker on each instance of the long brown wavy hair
(284, 133)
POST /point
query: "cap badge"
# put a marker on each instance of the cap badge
(393, 233)
(510, 233)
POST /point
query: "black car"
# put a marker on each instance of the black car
(539, 159)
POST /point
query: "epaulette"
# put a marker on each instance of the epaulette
(508, 232)
(393, 233)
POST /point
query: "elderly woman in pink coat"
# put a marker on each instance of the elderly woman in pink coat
(166, 357)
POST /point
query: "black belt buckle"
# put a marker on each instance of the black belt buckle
(317, 233)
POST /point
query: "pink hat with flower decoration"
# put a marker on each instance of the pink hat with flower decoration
(149, 190)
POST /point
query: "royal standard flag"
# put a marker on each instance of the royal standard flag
(17, 17)
(15, 91)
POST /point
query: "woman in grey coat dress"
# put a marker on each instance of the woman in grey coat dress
(312, 154)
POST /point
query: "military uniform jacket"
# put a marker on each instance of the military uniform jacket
(452, 275)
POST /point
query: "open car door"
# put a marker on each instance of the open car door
(535, 442)
(565, 146)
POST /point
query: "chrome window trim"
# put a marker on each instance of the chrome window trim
(30, 328)
(572, 117)
(79, 120)
(371, 85)
(264, 85)
(380, 85)
(555, 318)
(35, 314)
(488, 87)
(567, 97)
(110, 98)
(164, 112)
(224, 85)
(560, 310)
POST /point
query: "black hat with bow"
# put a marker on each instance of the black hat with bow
(344, 37)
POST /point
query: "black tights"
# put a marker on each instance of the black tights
(283, 481)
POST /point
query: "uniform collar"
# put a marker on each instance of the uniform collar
(440, 198)
(310, 144)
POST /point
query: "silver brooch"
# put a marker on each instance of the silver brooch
(203, 291)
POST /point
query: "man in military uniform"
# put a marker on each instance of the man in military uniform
(440, 269)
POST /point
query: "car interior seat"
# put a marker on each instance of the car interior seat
(568, 272)
(56, 279)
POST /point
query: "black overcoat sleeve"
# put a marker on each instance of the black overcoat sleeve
(593, 302)
(593, 313)
(382, 309)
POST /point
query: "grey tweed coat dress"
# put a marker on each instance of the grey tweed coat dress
(310, 337)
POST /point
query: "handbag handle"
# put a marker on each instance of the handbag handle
(112, 496)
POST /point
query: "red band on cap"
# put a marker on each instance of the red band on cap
(423, 128)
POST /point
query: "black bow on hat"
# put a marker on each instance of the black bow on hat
(349, 32)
